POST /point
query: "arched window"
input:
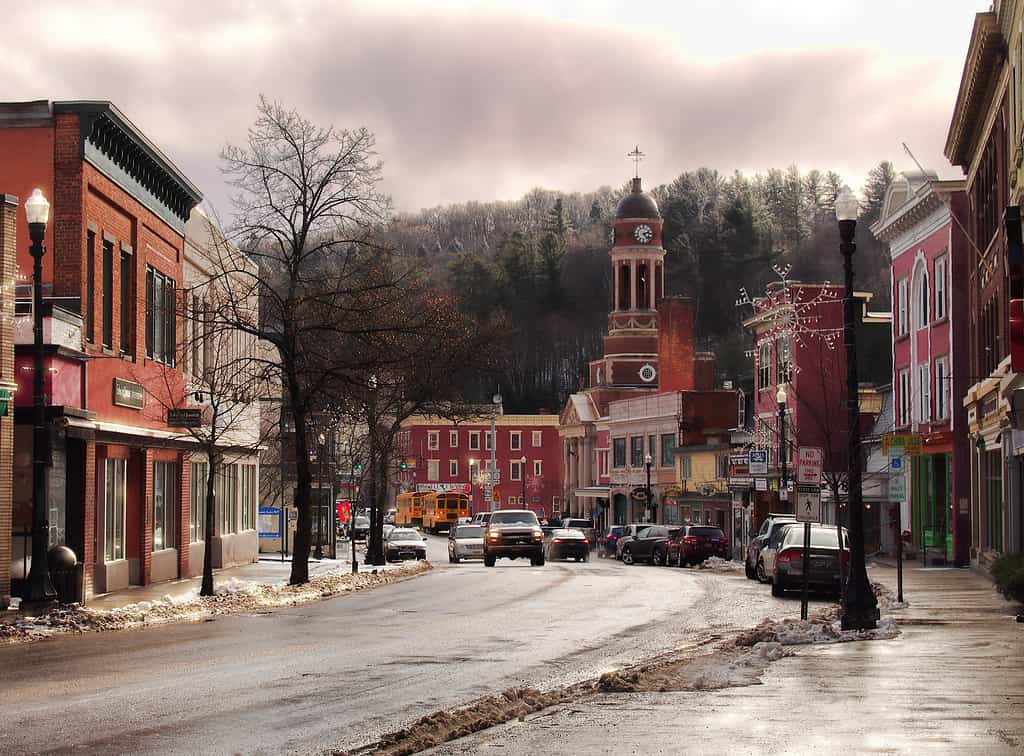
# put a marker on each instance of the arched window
(921, 296)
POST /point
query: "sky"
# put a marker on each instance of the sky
(486, 100)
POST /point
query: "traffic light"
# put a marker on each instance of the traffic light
(357, 467)
(405, 466)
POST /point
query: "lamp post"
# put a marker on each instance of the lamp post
(40, 589)
(318, 553)
(650, 508)
(780, 399)
(496, 401)
(522, 477)
(860, 610)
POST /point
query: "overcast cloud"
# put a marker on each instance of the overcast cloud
(487, 100)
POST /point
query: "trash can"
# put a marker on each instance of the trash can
(64, 573)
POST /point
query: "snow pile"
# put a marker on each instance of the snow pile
(886, 598)
(233, 596)
(793, 632)
(724, 565)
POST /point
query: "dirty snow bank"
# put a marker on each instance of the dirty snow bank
(723, 565)
(887, 598)
(233, 596)
(793, 632)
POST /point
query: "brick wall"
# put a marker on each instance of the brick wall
(68, 231)
(8, 257)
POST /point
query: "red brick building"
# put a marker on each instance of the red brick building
(443, 456)
(118, 487)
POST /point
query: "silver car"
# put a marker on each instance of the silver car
(465, 542)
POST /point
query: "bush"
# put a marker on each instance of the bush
(1008, 572)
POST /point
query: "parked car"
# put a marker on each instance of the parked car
(692, 544)
(587, 526)
(645, 547)
(466, 542)
(568, 543)
(824, 572)
(360, 528)
(405, 543)
(606, 543)
(513, 533)
(766, 559)
(387, 529)
(389, 517)
(760, 539)
(628, 535)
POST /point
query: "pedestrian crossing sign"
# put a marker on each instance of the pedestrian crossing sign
(808, 506)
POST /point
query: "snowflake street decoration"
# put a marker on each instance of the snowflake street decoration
(790, 310)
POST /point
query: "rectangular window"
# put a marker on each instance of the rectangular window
(90, 287)
(668, 449)
(636, 451)
(538, 466)
(127, 301)
(433, 440)
(783, 366)
(160, 317)
(512, 502)
(248, 496)
(164, 479)
(538, 439)
(940, 287)
(433, 469)
(197, 503)
(515, 440)
(488, 440)
(453, 439)
(114, 489)
(618, 452)
(941, 379)
(474, 440)
(993, 520)
(904, 398)
(453, 468)
(685, 467)
(901, 304)
(108, 294)
(226, 494)
(722, 466)
(923, 389)
(764, 365)
(515, 471)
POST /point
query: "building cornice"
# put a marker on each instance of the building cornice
(984, 55)
(931, 197)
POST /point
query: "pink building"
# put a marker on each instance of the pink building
(930, 355)
(442, 456)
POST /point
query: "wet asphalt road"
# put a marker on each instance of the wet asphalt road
(341, 672)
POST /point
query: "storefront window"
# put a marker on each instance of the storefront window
(197, 503)
(164, 532)
(226, 493)
(248, 496)
(115, 473)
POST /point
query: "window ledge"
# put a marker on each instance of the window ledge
(903, 337)
(940, 321)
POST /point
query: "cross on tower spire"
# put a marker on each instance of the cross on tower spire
(637, 156)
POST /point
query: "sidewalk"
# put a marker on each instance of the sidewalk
(269, 569)
(951, 682)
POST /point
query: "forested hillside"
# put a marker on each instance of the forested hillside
(541, 263)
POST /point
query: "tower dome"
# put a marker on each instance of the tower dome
(637, 204)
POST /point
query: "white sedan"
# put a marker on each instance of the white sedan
(465, 542)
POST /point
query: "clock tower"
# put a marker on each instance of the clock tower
(638, 267)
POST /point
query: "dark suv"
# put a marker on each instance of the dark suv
(514, 533)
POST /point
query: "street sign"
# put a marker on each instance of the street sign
(809, 463)
(808, 505)
(896, 464)
(270, 522)
(759, 462)
(344, 510)
(897, 486)
(496, 494)
(741, 482)
(761, 484)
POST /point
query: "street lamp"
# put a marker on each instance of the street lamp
(496, 401)
(522, 476)
(780, 399)
(647, 464)
(40, 589)
(318, 553)
(860, 610)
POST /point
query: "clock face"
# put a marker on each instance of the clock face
(643, 233)
(648, 373)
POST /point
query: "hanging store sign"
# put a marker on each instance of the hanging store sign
(758, 461)
(128, 394)
(184, 418)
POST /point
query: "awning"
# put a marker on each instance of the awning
(593, 492)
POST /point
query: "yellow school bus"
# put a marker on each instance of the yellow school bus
(442, 509)
(409, 509)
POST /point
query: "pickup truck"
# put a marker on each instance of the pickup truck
(513, 533)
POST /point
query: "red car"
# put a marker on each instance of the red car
(695, 543)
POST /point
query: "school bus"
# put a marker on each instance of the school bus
(442, 509)
(409, 509)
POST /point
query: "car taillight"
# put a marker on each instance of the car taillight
(556, 540)
(788, 556)
(724, 540)
(689, 539)
(585, 541)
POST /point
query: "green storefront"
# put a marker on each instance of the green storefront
(931, 487)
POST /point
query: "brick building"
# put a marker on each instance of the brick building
(443, 456)
(8, 257)
(119, 482)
